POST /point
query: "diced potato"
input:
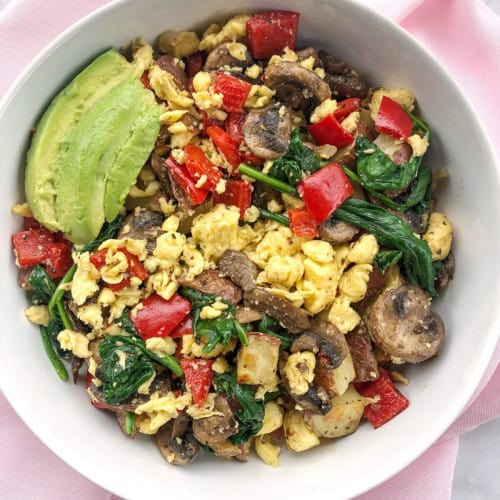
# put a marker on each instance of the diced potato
(343, 418)
(258, 361)
(336, 381)
(299, 435)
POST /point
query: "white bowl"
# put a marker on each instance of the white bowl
(90, 441)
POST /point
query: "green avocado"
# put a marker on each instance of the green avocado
(101, 127)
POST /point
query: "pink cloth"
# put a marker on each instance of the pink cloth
(456, 31)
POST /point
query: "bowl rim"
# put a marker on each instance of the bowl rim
(476, 374)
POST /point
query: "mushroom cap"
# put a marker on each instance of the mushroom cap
(405, 326)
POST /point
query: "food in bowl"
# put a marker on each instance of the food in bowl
(235, 238)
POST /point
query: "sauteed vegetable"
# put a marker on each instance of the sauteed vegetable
(234, 240)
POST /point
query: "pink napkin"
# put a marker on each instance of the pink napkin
(464, 35)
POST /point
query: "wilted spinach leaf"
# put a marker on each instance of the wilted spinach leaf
(298, 162)
(42, 284)
(251, 414)
(384, 260)
(271, 326)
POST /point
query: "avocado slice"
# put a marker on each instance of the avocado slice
(66, 110)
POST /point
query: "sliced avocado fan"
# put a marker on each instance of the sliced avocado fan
(102, 126)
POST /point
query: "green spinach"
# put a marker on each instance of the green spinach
(43, 285)
(250, 416)
(216, 331)
(271, 326)
(385, 259)
(297, 163)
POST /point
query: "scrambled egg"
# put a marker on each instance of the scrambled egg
(439, 235)
(233, 30)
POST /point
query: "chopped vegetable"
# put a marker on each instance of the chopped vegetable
(329, 131)
(225, 144)
(181, 175)
(345, 108)
(270, 32)
(298, 162)
(387, 258)
(58, 260)
(267, 214)
(200, 168)
(52, 355)
(42, 284)
(392, 119)
(251, 415)
(324, 191)
(302, 223)
(198, 374)
(234, 126)
(280, 186)
(157, 317)
(185, 327)
(32, 246)
(234, 91)
(390, 403)
(194, 64)
(271, 326)
(238, 193)
(216, 331)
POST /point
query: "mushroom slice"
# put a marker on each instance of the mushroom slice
(403, 324)
(336, 231)
(176, 443)
(239, 269)
(294, 319)
(142, 225)
(445, 272)
(267, 131)
(220, 57)
(287, 77)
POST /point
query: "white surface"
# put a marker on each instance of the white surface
(479, 453)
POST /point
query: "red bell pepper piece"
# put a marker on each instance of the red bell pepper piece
(391, 401)
(31, 223)
(345, 108)
(158, 317)
(209, 121)
(186, 182)
(234, 91)
(234, 126)
(194, 64)
(145, 80)
(225, 145)
(302, 223)
(198, 374)
(324, 191)
(270, 32)
(32, 246)
(185, 327)
(330, 131)
(392, 119)
(199, 166)
(238, 193)
(135, 267)
(58, 260)
(251, 159)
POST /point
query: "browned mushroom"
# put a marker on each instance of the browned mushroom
(337, 231)
(267, 131)
(347, 85)
(215, 431)
(295, 85)
(167, 63)
(175, 441)
(360, 347)
(142, 225)
(331, 64)
(220, 58)
(445, 272)
(239, 269)
(294, 319)
(403, 324)
(210, 281)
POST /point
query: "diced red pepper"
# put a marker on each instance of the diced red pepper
(329, 131)
(58, 260)
(186, 182)
(270, 32)
(345, 108)
(135, 267)
(198, 374)
(32, 246)
(302, 223)
(238, 193)
(251, 159)
(185, 327)
(200, 167)
(194, 64)
(158, 317)
(234, 91)
(392, 119)
(225, 145)
(31, 223)
(145, 80)
(324, 191)
(209, 121)
(234, 126)
(391, 401)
